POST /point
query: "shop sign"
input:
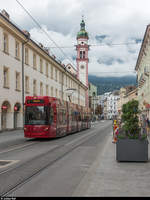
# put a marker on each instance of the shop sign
(4, 107)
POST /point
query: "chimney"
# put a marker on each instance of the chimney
(26, 33)
(53, 56)
(41, 45)
(5, 14)
(46, 49)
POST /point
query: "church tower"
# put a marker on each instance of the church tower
(82, 48)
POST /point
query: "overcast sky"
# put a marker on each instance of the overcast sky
(107, 22)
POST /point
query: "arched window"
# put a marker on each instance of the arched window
(80, 54)
(83, 54)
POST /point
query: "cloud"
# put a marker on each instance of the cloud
(107, 22)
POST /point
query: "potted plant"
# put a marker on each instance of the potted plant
(131, 145)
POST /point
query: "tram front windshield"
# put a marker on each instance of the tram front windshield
(36, 115)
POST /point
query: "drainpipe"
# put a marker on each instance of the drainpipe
(23, 78)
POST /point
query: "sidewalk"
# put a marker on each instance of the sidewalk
(107, 177)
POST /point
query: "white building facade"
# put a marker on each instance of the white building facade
(112, 108)
(22, 58)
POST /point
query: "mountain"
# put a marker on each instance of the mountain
(109, 84)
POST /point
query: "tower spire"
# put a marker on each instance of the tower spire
(82, 48)
(83, 17)
(82, 33)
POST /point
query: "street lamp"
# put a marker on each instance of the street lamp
(70, 92)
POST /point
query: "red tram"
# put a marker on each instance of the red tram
(49, 117)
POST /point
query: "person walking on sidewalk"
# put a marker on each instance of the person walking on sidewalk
(147, 125)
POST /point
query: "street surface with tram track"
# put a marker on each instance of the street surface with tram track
(49, 167)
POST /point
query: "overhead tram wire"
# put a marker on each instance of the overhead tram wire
(104, 72)
(127, 43)
(99, 45)
(60, 48)
(44, 31)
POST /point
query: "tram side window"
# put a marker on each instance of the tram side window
(73, 115)
(83, 117)
(51, 119)
(60, 116)
(64, 117)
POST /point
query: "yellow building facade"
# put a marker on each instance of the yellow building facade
(126, 94)
(143, 74)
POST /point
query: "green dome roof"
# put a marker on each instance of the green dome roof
(82, 32)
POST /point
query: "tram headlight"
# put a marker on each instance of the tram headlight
(46, 129)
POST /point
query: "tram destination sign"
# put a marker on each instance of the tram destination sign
(35, 101)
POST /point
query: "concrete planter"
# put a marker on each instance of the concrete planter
(132, 150)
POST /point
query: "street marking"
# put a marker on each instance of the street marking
(10, 162)
(18, 147)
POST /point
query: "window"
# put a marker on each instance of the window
(66, 81)
(60, 77)
(17, 81)
(6, 77)
(52, 91)
(34, 61)
(5, 43)
(41, 89)
(47, 90)
(83, 54)
(26, 56)
(34, 88)
(71, 83)
(17, 50)
(26, 84)
(59, 95)
(80, 54)
(52, 72)
(37, 115)
(51, 115)
(56, 93)
(47, 69)
(41, 65)
(56, 74)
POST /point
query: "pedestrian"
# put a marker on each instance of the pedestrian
(115, 131)
(147, 125)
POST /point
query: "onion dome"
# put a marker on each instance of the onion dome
(82, 33)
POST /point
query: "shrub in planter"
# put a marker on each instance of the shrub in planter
(130, 119)
(131, 145)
